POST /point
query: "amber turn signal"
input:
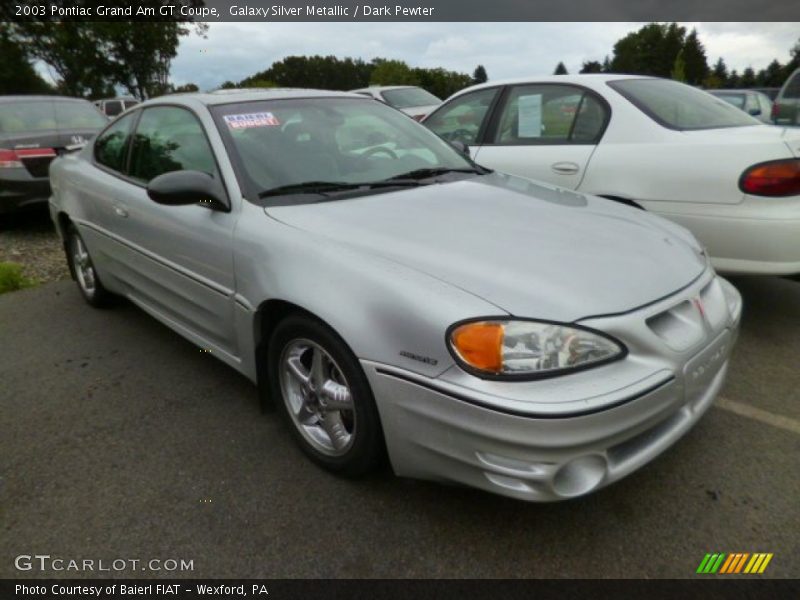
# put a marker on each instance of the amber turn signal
(480, 345)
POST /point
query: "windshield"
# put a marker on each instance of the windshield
(679, 106)
(408, 97)
(44, 115)
(736, 100)
(282, 143)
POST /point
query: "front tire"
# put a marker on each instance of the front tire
(322, 392)
(82, 268)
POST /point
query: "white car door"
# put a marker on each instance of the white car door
(177, 260)
(544, 131)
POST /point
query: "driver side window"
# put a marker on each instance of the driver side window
(167, 139)
(462, 119)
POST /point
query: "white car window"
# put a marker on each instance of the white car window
(550, 114)
(461, 120)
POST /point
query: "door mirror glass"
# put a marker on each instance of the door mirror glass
(180, 188)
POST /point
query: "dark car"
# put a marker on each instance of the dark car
(33, 131)
(754, 103)
(786, 110)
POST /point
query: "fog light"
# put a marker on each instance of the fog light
(580, 476)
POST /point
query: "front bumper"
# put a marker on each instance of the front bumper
(559, 438)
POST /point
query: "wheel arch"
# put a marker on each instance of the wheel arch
(266, 318)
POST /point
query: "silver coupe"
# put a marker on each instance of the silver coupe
(394, 299)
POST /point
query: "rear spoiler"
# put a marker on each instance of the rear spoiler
(74, 147)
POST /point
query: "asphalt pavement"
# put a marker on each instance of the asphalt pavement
(121, 440)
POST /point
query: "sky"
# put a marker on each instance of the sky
(233, 51)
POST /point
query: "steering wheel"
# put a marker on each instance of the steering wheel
(459, 135)
(380, 150)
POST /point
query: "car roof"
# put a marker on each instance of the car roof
(380, 88)
(236, 95)
(734, 91)
(591, 80)
(6, 99)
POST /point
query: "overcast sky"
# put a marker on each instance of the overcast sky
(233, 51)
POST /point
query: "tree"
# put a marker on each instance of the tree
(694, 59)
(440, 82)
(772, 76)
(560, 69)
(141, 56)
(72, 50)
(479, 75)
(748, 79)
(322, 72)
(187, 87)
(734, 80)
(591, 66)
(392, 72)
(679, 68)
(90, 58)
(720, 71)
(651, 50)
(17, 75)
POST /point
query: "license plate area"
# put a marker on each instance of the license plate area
(700, 370)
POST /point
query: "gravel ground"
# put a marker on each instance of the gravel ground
(30, 240)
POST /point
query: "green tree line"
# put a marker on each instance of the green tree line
(668, 50)
(333, 73)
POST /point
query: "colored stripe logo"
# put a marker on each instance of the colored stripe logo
(734, 563)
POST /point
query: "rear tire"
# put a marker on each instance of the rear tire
(83, 271)
(322, 392)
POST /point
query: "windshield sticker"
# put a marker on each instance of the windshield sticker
(529, 113)
(263, 119)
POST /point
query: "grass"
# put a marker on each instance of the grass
(11, 278)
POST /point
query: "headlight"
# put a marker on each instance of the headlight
(528, 349)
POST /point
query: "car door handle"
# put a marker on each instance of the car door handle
(121, 212)
(565, 168)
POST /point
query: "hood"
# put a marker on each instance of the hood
(530, 249)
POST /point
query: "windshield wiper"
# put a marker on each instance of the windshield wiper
(425, 173)
(322, 187)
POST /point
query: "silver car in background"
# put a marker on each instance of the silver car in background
(390, 297)
(413, 101)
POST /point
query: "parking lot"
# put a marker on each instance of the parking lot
(122, 440)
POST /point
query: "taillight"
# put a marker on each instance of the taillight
(12, 159)
(9, 160)
(774, 113)
(774, 178)
(418, 117)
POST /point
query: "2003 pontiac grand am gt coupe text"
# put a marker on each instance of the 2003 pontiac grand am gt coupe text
(394, 298)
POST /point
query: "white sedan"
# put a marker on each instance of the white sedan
(654, 143)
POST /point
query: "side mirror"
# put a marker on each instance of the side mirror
(755, 111)
(181, 188)
(461, 147)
